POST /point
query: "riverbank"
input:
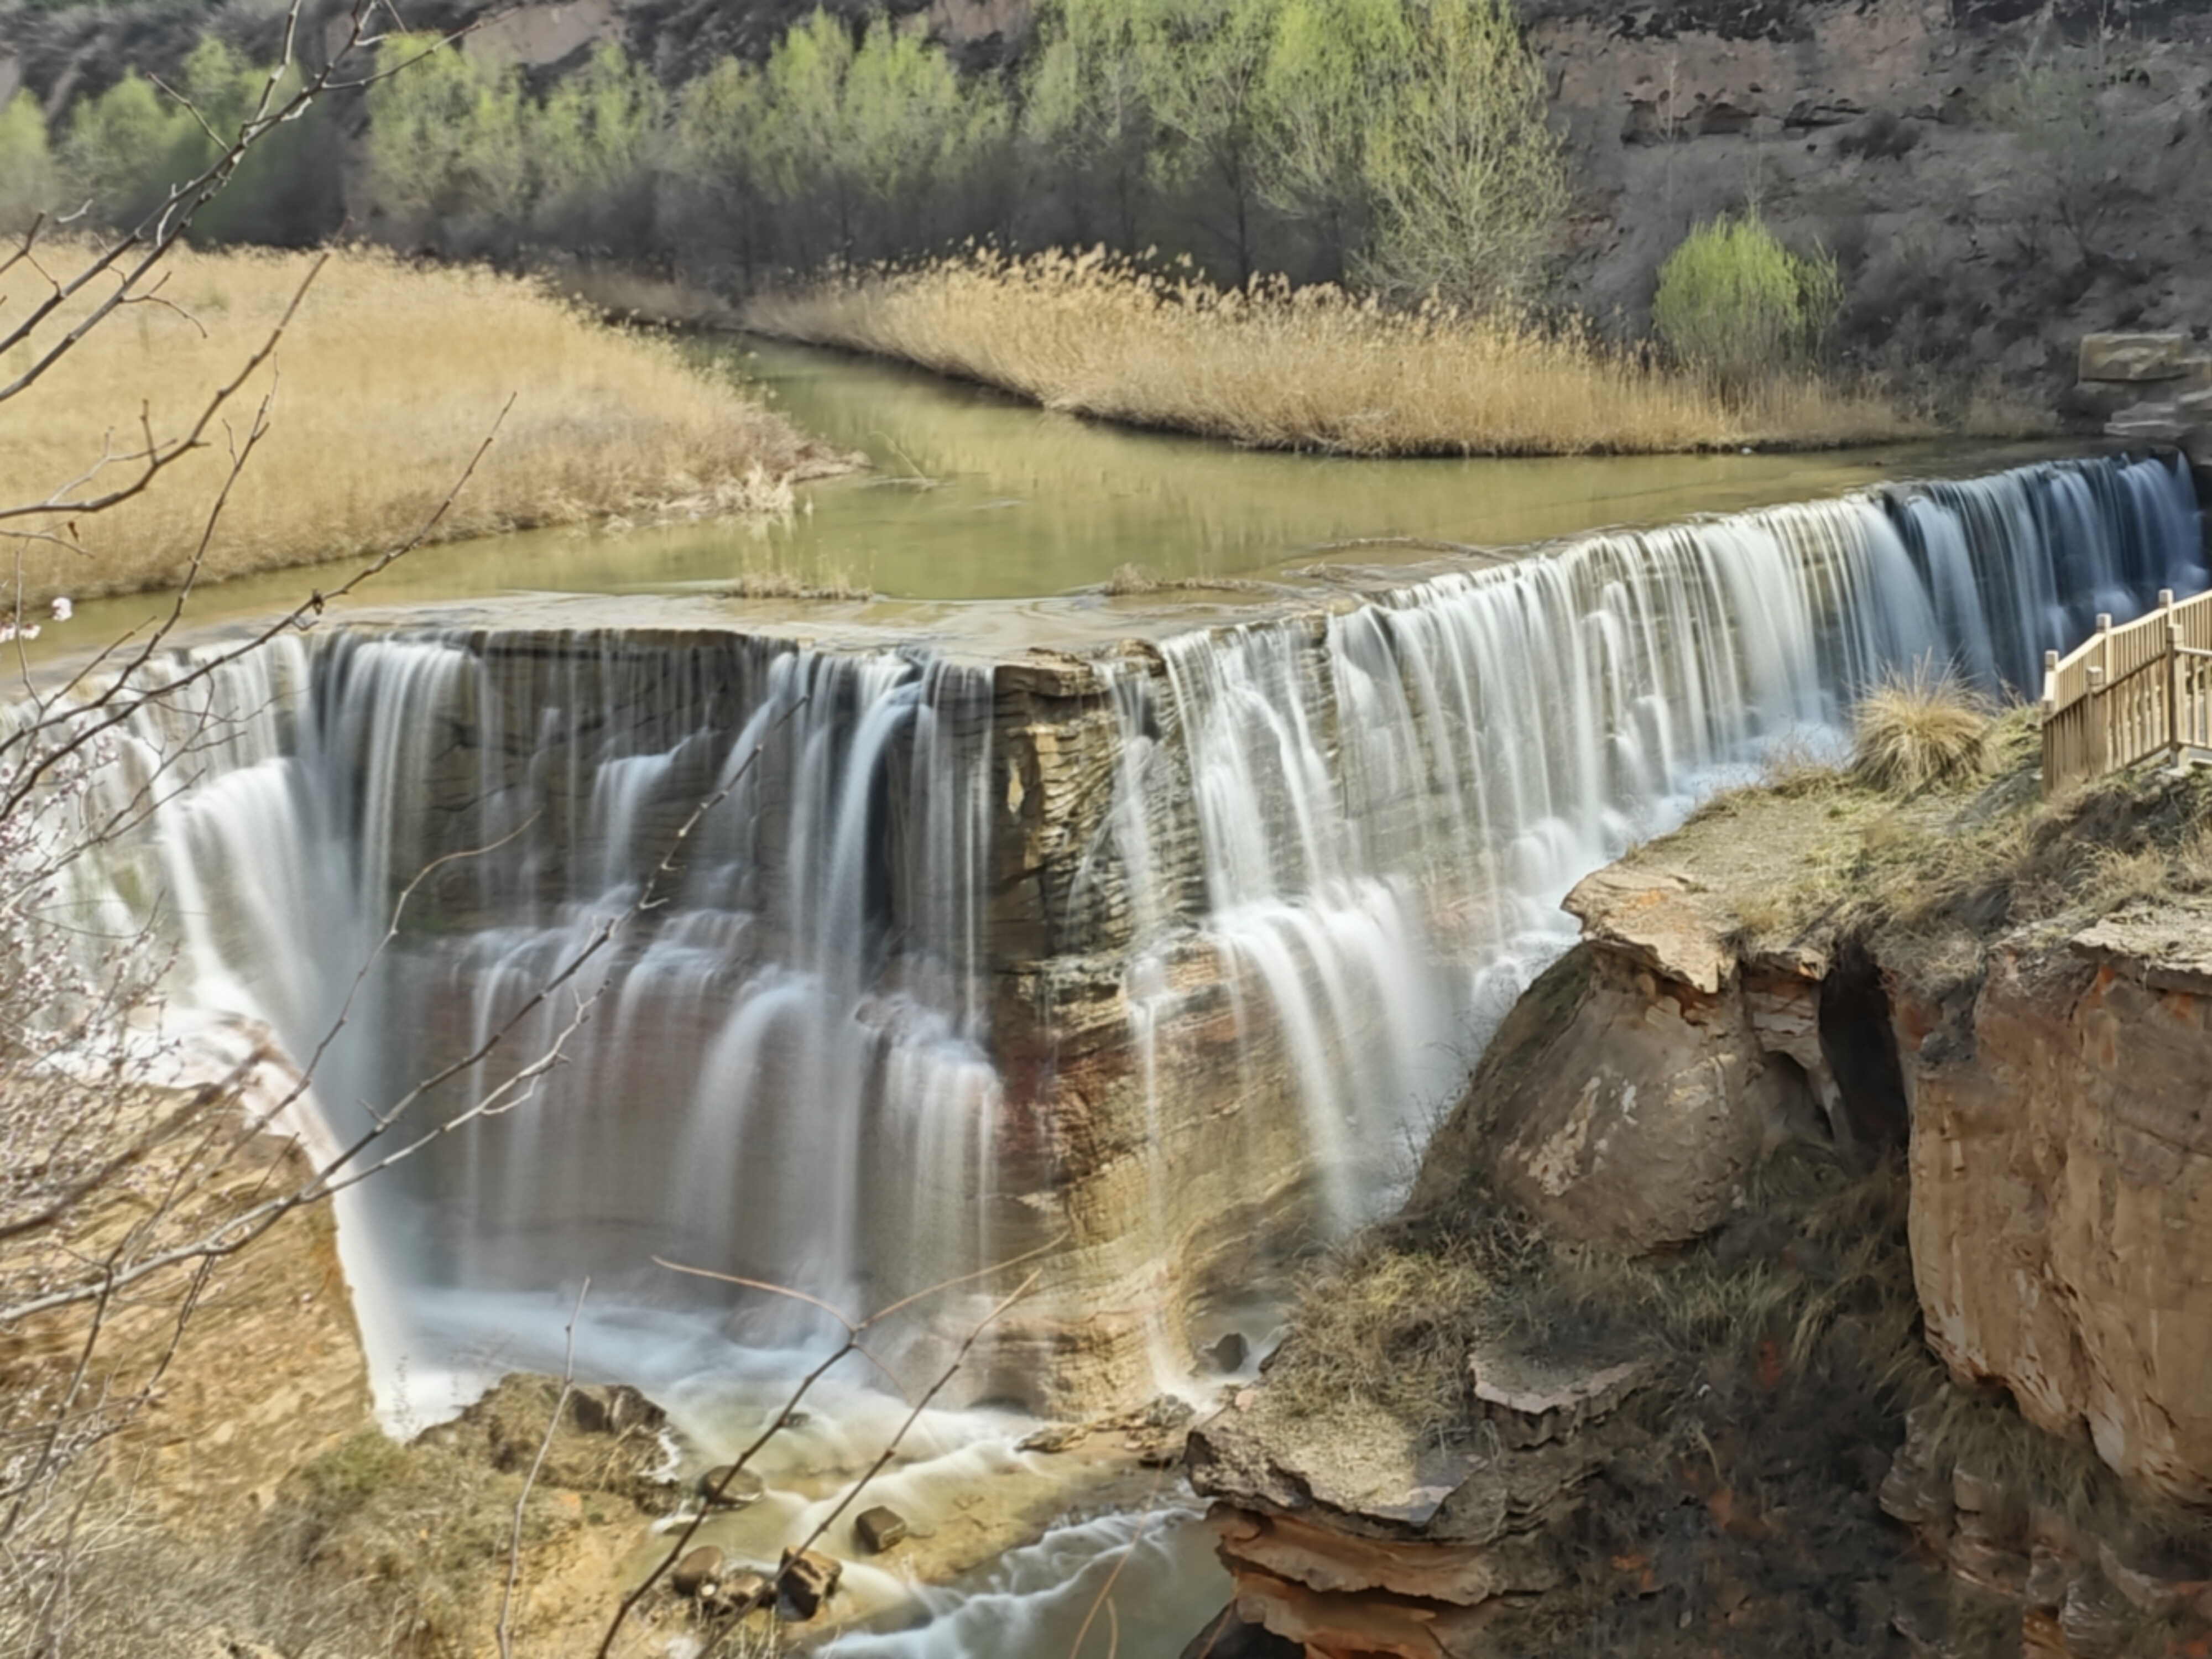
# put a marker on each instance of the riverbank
(1315, 369)
(386, 381)
(1776, 1285)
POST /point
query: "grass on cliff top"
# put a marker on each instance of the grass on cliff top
(390, 377)
(1816, 855)
(1310, 369)
(1390, 1321)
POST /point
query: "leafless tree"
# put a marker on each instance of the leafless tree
(122, 1195)
(119, 1196)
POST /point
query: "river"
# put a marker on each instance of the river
(1313, 834)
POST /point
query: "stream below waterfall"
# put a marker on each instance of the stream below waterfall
(1161, 922)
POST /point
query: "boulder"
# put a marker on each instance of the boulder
(2094, 1620)
(607, 1438)
(1229, 1637)
(726, 1486)
(699, 1570)
(614, 1408)
(1645, 1140)
(809, 1579)
(880, 1528)
(2150, 423)
(744, 1590)
(2135, 356)
(1534, 1397)
(1229, 1354)
(1659, 919)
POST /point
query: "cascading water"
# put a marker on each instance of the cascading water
(833, 1051)
(776, 1068)
(1387, 815)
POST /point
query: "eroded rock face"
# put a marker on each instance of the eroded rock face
(1631, 1093)
(2061, 1190)
(1357, 1535)
(2084, 1586)
(2134, 357)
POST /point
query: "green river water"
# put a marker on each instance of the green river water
(989, 521)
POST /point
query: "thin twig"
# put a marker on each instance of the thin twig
(552, 1426)
(1106, 1590)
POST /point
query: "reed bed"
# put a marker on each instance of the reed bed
(1310, 368)
(388, 380)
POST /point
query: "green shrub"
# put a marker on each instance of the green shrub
(29, 186)
(1738, 307)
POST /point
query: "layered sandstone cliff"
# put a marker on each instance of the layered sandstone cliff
(1805, 974)
(2061, 1178)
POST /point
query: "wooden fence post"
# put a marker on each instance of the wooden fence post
(2052, 768)
(2096, 732)
(2174, 703)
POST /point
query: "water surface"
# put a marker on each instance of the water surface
(971, 496)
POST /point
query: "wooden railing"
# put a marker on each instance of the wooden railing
(2129, 693)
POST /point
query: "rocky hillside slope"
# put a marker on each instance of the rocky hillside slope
(1995, 179)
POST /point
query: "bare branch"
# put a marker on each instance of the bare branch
(552, 1426)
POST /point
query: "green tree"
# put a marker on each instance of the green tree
(30, 184)
(127, 147)
(284, 192)
(597, 140)
(1329, 69)
(803, 153)
(1205, 66)
(916, 135)
(450, 138)
(855, 148)
(1085, 114)
(719, 197)
(1469, 184)
(1736, 306)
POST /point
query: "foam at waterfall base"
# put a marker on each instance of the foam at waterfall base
(1156, 1566)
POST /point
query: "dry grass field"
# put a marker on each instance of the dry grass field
(388, 380)
(1312, 369)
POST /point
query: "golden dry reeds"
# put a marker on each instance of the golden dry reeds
(388, 380)
(1310, 368)
(1921, 726)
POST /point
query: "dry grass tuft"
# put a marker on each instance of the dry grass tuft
(1919, 727)
(1387, 1326)
(391, 376)
(1311, 369)
(1131, 581)
(2119, 878)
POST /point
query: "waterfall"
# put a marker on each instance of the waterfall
(1388, 816)
(776, 1069)
(1289, 872)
